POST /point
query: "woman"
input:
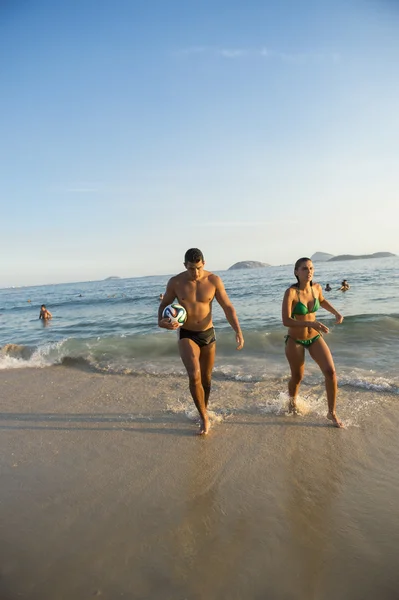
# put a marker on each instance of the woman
(301, 301)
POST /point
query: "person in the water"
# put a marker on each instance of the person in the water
(301, 301)
(44, 313)
(344, 286)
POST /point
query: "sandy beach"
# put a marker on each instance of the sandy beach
(106, 492)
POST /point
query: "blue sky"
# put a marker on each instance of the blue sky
(133, 130)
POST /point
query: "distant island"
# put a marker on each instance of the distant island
(112, 277)
(247, 264)
(354, 257)
(325, 257)
(321, 256)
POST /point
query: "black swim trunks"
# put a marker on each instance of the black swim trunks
(201, 338)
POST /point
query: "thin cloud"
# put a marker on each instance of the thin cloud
(233, 224)
(263, 53)
(78, 187)
(231, 53)
(237, 224)
(193, 50)
(89, 188)
(82, 190)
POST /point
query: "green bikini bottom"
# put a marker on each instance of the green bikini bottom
(305, 343)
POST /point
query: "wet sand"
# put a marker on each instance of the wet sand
(106, 493)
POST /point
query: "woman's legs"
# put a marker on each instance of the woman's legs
(296, 357)
(321, 354)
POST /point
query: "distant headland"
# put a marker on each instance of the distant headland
(321, 256)
(325, 257)
(247, 264)
(112, 277)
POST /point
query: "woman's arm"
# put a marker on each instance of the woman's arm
(327, 306)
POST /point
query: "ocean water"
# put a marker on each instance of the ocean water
(111, 326)
(270, 506)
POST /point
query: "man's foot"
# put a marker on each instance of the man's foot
(292, 407)
(335, 421)
(204, 426)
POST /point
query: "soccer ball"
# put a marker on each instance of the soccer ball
(176, 313)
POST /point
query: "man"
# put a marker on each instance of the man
(195, 289)
(344, 286)
(44, 313)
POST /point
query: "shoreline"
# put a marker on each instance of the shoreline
(107, 491)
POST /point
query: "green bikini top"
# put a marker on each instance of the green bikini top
(301, 309)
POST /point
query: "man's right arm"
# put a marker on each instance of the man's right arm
(169, 297)
(228, 309)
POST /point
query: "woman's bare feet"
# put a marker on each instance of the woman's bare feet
(204, 426)
(292, 407)
(335, 421)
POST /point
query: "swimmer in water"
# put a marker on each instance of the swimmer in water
(344, 286)
(44, 313)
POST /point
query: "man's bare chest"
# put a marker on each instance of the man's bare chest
(196, 292)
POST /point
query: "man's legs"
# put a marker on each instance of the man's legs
(207, 360)
(190, 354)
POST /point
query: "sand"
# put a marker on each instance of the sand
(105, 492)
